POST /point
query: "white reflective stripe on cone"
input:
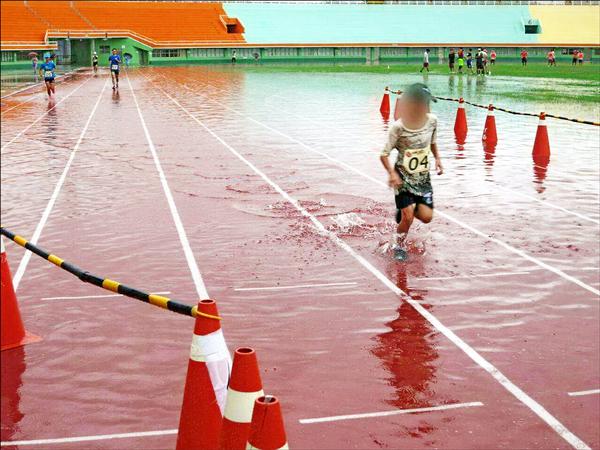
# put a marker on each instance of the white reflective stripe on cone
(212, 350)
(251, 447)
(239, 405)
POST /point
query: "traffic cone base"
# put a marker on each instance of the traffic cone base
(490, 136)
(267, 431)
(13, 333)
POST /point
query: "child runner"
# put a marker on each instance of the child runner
(580, 57)
(493, 58)
(425, 61)
(574, 61)
(461, 63)
(470, 60)
(414, 137)
(47, 71)
(524, 57)
(451, 57)
(95, 62)
(114, 61)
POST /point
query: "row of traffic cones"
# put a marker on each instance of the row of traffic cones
(221, 409)
(541, 146)
(223, 412)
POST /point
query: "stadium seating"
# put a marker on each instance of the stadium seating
(20, 25)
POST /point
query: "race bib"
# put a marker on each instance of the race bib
(416, 160)
(114, 67)
(48, 74)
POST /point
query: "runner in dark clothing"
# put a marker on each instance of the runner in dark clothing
(451, 58)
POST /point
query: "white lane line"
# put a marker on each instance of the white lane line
(64, 75)
(551, 205)
(523, 397)
(20, 133)
(40, 226)
(297, 286)
(86, 297)
(458, 222)
(98, 437)
(579, 393)
(187, 250)
(19, 104)
(394, 412)
(484, 275)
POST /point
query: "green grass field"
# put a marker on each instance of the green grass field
(589, 72)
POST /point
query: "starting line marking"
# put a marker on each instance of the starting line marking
(98, 437)
(390, 413)
(475, 356)
(484, 275)
(579, 393)
(83, 297)
(298, 286)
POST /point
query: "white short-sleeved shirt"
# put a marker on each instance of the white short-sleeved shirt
(426, 57)
(413, 148)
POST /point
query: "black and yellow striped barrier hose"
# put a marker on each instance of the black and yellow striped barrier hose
(518, 113)
(106, 283)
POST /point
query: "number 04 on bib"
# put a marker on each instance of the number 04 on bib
(416, 160)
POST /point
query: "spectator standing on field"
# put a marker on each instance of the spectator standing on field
(493, 58)
(524, 55)
(425, 60)
(574, 60)
(451, 58)
(470, 60)
(479, 61)
(551, 58)
(580, 57)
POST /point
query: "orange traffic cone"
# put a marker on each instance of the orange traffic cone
(245, 387)
(267, 431)
(12, 329)
(384, 109)
(490, 137)
(205, 384)
(460, 124)
(397, 108)
(541, 146)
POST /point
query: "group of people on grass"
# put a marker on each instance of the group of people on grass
(457, 60)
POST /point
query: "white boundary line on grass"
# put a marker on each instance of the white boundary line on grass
(98, 437)
(20, 133)
(40, 226)
(580, 393)
(458, 222)
(517, 392)
(394, 412)
(187, 250)
(297, 286)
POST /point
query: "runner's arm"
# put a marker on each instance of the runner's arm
(438, 161)
(394, 179)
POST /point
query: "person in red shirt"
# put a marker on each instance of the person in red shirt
(580, 57)
(551, 58)
(524, 57)
(493, 58)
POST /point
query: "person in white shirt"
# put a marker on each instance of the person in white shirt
(425, 61)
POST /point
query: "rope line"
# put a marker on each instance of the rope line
(518, 113)
(107, 283)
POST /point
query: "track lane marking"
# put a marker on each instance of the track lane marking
(20, 133)
(98, 437)
(297, 286)
(458, 222)
(580, 393)
(42, 223)
(187, 250)
(517, 392)
(483, 275)
(389, 413)
(86, 297)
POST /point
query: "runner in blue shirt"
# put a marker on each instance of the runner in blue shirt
(47, 71)
(114, 61)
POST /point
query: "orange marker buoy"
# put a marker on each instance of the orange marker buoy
(541, 146)
(384, 109)
(490, 137)
(205, 385)
(12, 329)
(267, 431)
(460, 124)
(245, 387)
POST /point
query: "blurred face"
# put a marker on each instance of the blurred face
(114, 52)
(413, 110)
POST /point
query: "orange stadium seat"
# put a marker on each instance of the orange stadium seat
(19, 24)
